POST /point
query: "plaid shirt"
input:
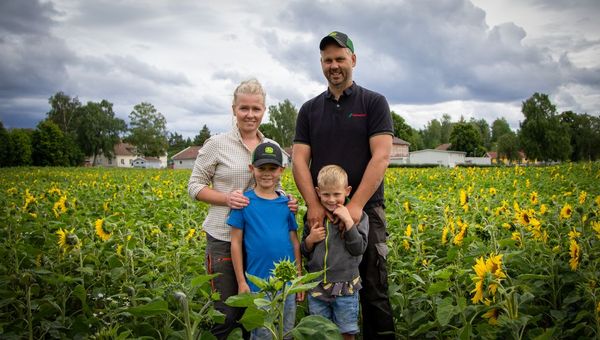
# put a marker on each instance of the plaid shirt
(222, 163)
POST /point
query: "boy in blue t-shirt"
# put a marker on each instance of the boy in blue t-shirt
(265, 230)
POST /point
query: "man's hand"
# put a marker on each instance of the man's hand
(315, 215)
(236, 199)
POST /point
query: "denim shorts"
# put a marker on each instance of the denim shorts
(343, 311)
(289, 318)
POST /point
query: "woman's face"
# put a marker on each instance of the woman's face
(249, 110)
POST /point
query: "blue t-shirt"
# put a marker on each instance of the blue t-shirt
(266, 224)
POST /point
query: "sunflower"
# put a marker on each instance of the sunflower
(582, 197)
(596, 227)
(533, 197)
(566, 212)
(464, 198)
(493, 191)
(487, 271)
(523, 216)
(103, 234)
(190, 234)
(575, 253)
(543, 209)
(406, 206)
(67, 239)
(407, 233)
(574, 234)
(492, 316)
(445, 235)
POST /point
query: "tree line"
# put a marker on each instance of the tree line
(72, 131)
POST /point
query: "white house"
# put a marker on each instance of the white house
(124, 157)
(439, 157)
(400, 153)
(185, 158)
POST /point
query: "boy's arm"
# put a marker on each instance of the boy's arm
(356, 238)
(237, 257)
(296, 245)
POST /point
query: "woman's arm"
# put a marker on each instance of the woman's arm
(237, 257)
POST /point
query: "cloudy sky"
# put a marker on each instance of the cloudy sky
(470, 58)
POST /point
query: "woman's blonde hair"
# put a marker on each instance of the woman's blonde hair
(250, 86)
(332, 175)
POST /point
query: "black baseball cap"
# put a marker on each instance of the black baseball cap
(339, 38)
(267, 153)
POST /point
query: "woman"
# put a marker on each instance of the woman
(220, 176)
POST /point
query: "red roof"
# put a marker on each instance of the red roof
(400, 141)
(124, 149)
(191, 152)
(443, 147)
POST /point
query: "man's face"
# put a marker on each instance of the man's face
(337, 63)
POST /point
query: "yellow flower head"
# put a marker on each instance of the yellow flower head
(406, 205)
(533, 197)
(67, 239)
(575, 253)
(445, 235)
(543, 209)
(566, 211)
(582, 197)
(190, 234)
(574, 234)
(464, 198)
(102, 234)
(492, 316)
(493, 191)
(120, 250)
(408, 231)
(596, 227)
(487, 271)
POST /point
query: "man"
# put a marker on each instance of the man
(350, 126)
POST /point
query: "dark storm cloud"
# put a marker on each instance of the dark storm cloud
(426, 52)
(33, 61)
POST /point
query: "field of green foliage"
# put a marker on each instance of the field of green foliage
(474, 253)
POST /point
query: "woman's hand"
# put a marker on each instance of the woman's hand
(236, 199)
(292, 203)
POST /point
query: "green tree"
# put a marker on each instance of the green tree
(401, 129)
(499, 128)
(48, 145)
(20, 142)
(5, 147)
(416, 141)
(283, 118)
(64, 111)
(582, 135)
(99, 130)
(542, 135)
(432, 135)
(268, 130)
(508, 146)
(484, 130)
(177, 143)
(202, 136)
(465, 137)
(446, 128)
(148, 131)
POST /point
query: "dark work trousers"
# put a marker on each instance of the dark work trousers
(218, 260)
(377, 317)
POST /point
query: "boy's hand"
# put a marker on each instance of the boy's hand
(299, 296)
(243, 288)
(317, 234)
(342, 213)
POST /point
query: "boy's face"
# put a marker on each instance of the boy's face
(333, 195)
(266, 175)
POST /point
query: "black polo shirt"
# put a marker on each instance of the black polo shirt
(338, 132)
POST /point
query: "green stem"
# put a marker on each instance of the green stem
(29, 315)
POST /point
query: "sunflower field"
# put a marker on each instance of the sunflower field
(474, 253)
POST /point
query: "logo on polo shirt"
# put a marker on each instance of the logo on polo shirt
(358, 115)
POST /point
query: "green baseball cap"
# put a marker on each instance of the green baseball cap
(339, 38)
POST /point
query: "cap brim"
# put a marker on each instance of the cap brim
(329, 39)
(266, 161)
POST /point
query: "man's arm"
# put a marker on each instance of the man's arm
(300, 169)
(381, 148)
